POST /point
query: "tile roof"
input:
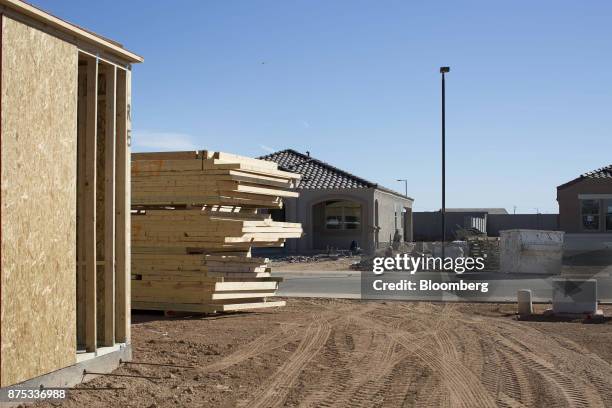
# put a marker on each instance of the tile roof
(604, 172)
(601, 173)
(317, 174)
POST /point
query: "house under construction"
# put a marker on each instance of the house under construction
(65, 205)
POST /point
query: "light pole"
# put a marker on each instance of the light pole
(443, 70)
(405, 186)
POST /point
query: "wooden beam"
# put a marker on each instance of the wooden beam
(109, 205)
(89, 240)
(122, 213)
(81, 140)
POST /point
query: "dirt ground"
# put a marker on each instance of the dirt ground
(340, 264)
(325, 352)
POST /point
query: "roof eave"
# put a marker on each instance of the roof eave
(64, 26)
(389, 191)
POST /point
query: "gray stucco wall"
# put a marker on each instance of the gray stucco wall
(301, 210)
(500, 222)
(388, 205)
(428, 225)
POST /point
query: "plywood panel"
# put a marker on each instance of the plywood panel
(38, 214)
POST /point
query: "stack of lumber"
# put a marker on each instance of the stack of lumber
(195, 218)
(209, 179)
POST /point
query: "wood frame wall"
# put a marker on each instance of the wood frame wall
(47, 104)
(103, 290)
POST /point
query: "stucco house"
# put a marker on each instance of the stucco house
(585, 213)
(585, 203)
(336, 207)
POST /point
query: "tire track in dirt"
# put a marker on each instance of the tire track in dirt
(515, 385)
(530, 352)
(345, 372)
(367, 381)
(603, 386)
(335, 378)
(262, 344)
(400, 386)
(349, 363)
(365, 387)
(526, 348)
(505, 401)
(576, 395)
(492, 363)
(273, 392)
(432, 394)
(464, 386)
(490, 371)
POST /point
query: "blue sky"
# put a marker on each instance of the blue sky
(529, 98)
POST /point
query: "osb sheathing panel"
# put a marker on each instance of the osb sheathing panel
(38, 214)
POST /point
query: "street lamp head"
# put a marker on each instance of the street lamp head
(444, 70)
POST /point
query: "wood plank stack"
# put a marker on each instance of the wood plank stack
(195, 218)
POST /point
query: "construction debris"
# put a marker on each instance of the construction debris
(194, 221)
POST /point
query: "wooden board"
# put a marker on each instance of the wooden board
(90, 204)
(122, 210)
(206, 308)
(207, 203)
(38, 213)
(108, 334)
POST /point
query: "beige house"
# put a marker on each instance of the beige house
(336, 207)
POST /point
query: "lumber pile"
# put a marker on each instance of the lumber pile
(195, 218)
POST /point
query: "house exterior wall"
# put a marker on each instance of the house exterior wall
(301, 210)
(305, 210)
(569, 203)
(390, 217)
(38, 212)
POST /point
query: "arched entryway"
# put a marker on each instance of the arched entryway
(337, 223)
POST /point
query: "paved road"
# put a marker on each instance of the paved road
(348, 284)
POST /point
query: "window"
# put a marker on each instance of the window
(590, 214)
(609, 215)
(342, 215)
